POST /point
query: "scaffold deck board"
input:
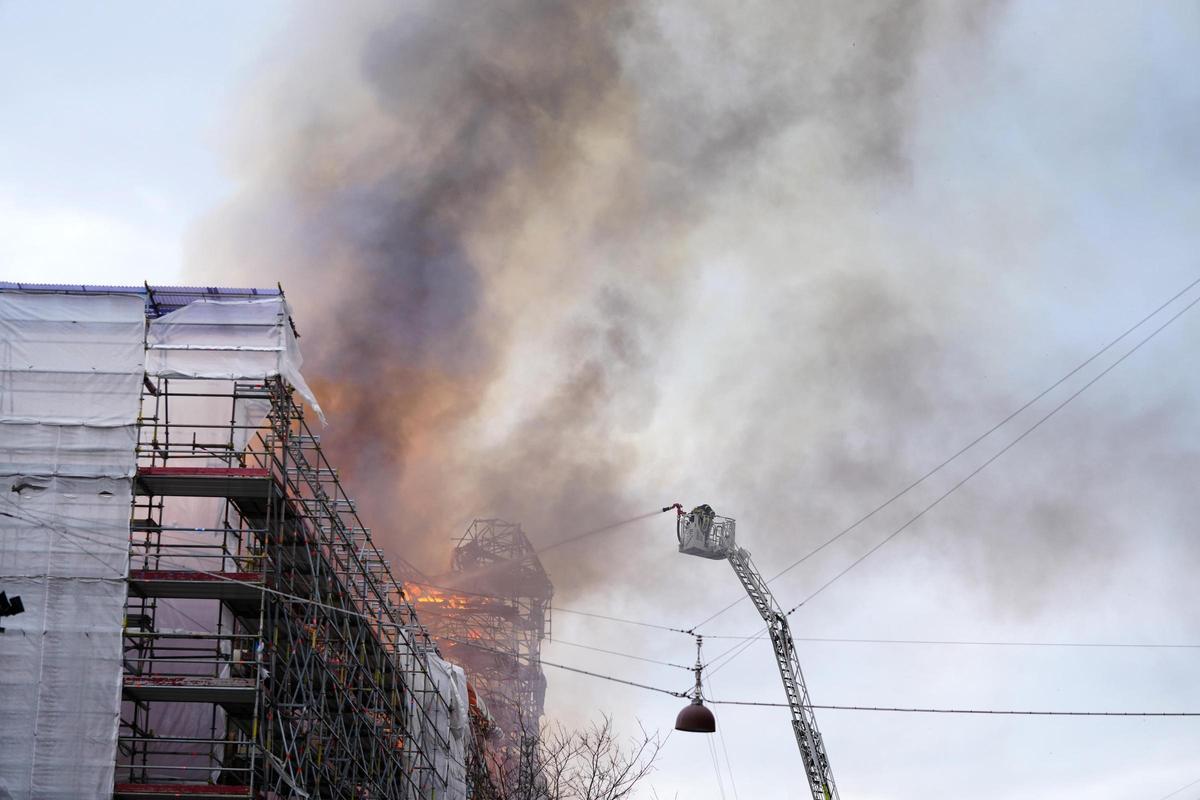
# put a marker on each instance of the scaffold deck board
(200, 585)
(248, 484)
(190, 689)
(164, 791)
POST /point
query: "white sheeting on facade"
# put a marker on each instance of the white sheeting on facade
(71, 369)
(450, 726)
(459, 730)
(232, 339)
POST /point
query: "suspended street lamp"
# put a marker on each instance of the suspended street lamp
(695, 717)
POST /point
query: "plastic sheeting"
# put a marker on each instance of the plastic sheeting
(232, 339)
(450, 722)
(71, 369)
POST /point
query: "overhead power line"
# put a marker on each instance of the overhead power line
(619, 653)
(682, 694)
(831, 707)
(1020, 437)
(974, 643)
(576, 670)
(640, 623)
(624, 620)
(728, 763)
(985, 711)
(972, 443)
(1180, 790)
(77, 535)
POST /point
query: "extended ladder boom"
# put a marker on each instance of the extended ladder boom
(703, 533)
(804, 722)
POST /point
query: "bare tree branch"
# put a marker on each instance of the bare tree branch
(560, 764)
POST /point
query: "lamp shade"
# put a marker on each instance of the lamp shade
(695, 718)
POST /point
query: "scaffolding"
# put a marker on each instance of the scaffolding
(298, 646)
(267, 649)
(492, 623)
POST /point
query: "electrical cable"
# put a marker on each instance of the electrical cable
(974, 643)
(62, 531)
(619, 653)
(486, 569)
(998, 454)
(351, 612)
(979, 711)
(216, 575)
(725, 749)
(683, 694)
(553, 641)
(294, 598)
(724, 657)
(712, 754)
(1020, 437)
(970, 444)
(558, 641)
(661, 690)
(621, 619)
(961, 642)
(560, 609)
(543, 662)
(1180, 790)
(592, 614)
(31, 517)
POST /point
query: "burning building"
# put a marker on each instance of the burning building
(490, 613)
(206, 614)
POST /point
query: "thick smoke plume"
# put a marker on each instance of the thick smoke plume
(562, 262)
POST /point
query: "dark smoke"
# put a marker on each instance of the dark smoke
(551, 260)
(408, 201)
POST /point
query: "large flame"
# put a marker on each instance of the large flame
(433, 597)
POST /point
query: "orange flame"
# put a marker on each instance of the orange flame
(436, 597)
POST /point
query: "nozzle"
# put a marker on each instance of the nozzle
(677, 506)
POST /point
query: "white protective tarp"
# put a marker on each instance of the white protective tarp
(448, 716)
(231, 339)
(71, 369)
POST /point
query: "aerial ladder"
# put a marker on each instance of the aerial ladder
(702, 533)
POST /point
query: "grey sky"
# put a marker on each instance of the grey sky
(855, 307)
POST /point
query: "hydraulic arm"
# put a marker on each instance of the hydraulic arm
(704, 534)
(804, 722)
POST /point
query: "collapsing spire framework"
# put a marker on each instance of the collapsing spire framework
(493, 625)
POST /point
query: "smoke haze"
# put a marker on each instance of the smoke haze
(567, 262)
(564, 262)
(486, 223)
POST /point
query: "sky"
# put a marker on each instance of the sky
(113, 119)
(782, 263)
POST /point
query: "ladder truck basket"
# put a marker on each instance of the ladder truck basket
(702, 533)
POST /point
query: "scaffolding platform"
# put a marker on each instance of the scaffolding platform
(310, 645)
(248, 484)
(228, 692)
(227, 586)
(167, 791)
